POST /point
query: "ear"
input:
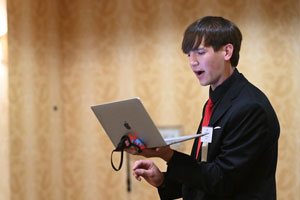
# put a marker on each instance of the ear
(228, 48)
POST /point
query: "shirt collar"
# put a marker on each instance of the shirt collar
(219, 92)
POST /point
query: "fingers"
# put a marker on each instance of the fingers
(161, 152)
(143, 164)
(137, 177)
(149, 171)
(127, 143)
(141, 168)
(132, 150)
(138, 173)
(148, 152)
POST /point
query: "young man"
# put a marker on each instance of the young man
(237, 161)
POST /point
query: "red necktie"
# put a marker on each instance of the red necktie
(207, 115)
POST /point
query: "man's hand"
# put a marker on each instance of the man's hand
(165, 152)
(149, 171)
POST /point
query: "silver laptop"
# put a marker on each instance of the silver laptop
(130, 116)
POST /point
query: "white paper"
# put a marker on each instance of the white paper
(175, 140)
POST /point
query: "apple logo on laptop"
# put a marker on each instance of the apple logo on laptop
(127, 126)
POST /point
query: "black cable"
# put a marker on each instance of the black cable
(128, 173)
(120, 148)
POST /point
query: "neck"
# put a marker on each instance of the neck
(227, 73)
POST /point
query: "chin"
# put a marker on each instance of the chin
(203, 83)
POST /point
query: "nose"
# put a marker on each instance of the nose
(193, 60)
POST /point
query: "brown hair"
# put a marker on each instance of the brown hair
(215, 32)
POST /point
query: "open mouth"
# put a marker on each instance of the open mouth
(198, 73)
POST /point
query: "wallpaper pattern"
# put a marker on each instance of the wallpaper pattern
(4, 127)
(65, 56)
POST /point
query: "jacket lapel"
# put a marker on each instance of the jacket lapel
(226, 101)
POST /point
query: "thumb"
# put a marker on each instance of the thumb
(138, 173)
(141, 172)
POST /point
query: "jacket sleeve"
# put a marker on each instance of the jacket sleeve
(245, 138)
(170, 189)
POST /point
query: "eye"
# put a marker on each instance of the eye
(201, 52)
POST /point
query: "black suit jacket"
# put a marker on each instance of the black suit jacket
(242, 157)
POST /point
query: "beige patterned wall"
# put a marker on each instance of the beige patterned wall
(65, 55)
(4, 123)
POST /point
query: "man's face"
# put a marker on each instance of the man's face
(209, 66)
